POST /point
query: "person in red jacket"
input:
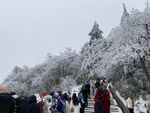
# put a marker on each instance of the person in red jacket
(102, 100)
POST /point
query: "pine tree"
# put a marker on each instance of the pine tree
(96, 33)
(147, 6)
(125, 14)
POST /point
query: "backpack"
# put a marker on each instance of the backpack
(81, 98)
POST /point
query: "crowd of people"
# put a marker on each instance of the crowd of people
(58, 102)
(76, 103)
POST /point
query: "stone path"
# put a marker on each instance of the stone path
(113, 108)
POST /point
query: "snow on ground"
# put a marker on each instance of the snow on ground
(141, 104)
(122, 99)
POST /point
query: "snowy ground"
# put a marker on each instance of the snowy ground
(141, 104)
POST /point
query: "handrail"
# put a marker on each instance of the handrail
(119, 102)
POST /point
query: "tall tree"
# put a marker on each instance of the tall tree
(125, 14)
(95, 33)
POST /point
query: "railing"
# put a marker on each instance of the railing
(119, 102)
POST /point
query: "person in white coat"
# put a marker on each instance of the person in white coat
(67, 107)
(130, 104)
(74, 105)
(47, 100)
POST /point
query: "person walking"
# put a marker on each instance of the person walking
(74, 105)
(97, 83)
(85, 95)
(130, 104)
(102, 100)
(67, 108)
(81, 101)
(87, 87)
(93, 87)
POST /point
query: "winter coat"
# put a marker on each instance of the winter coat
(67, 107)
(34, 108)
(47, 100)
(76, 108)
(130, 103)
(81, 101)
(7, 104)
(40, 107)
(85, 94)
(23, 104)
(104, 98)
(81, 98)
(98, 107)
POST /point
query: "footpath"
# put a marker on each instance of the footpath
(114, 108)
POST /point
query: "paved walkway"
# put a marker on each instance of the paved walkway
(113, 108)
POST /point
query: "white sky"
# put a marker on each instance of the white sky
(29, 29)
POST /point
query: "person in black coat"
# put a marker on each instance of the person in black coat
(97, 84)
(87, 87)
(7, 103)
(85, 95)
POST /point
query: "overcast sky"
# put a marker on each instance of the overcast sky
(29, 29)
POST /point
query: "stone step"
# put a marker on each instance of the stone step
(113, 108)
(90, 106)
(113, 101)
(89, 110)
(90, 103)
(91, 99)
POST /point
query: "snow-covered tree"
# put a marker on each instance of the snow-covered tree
(123, 57)
(95, 33)
(45, 76)
(92, 52)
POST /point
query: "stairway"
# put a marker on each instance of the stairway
(90, 107)
(113, 108)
